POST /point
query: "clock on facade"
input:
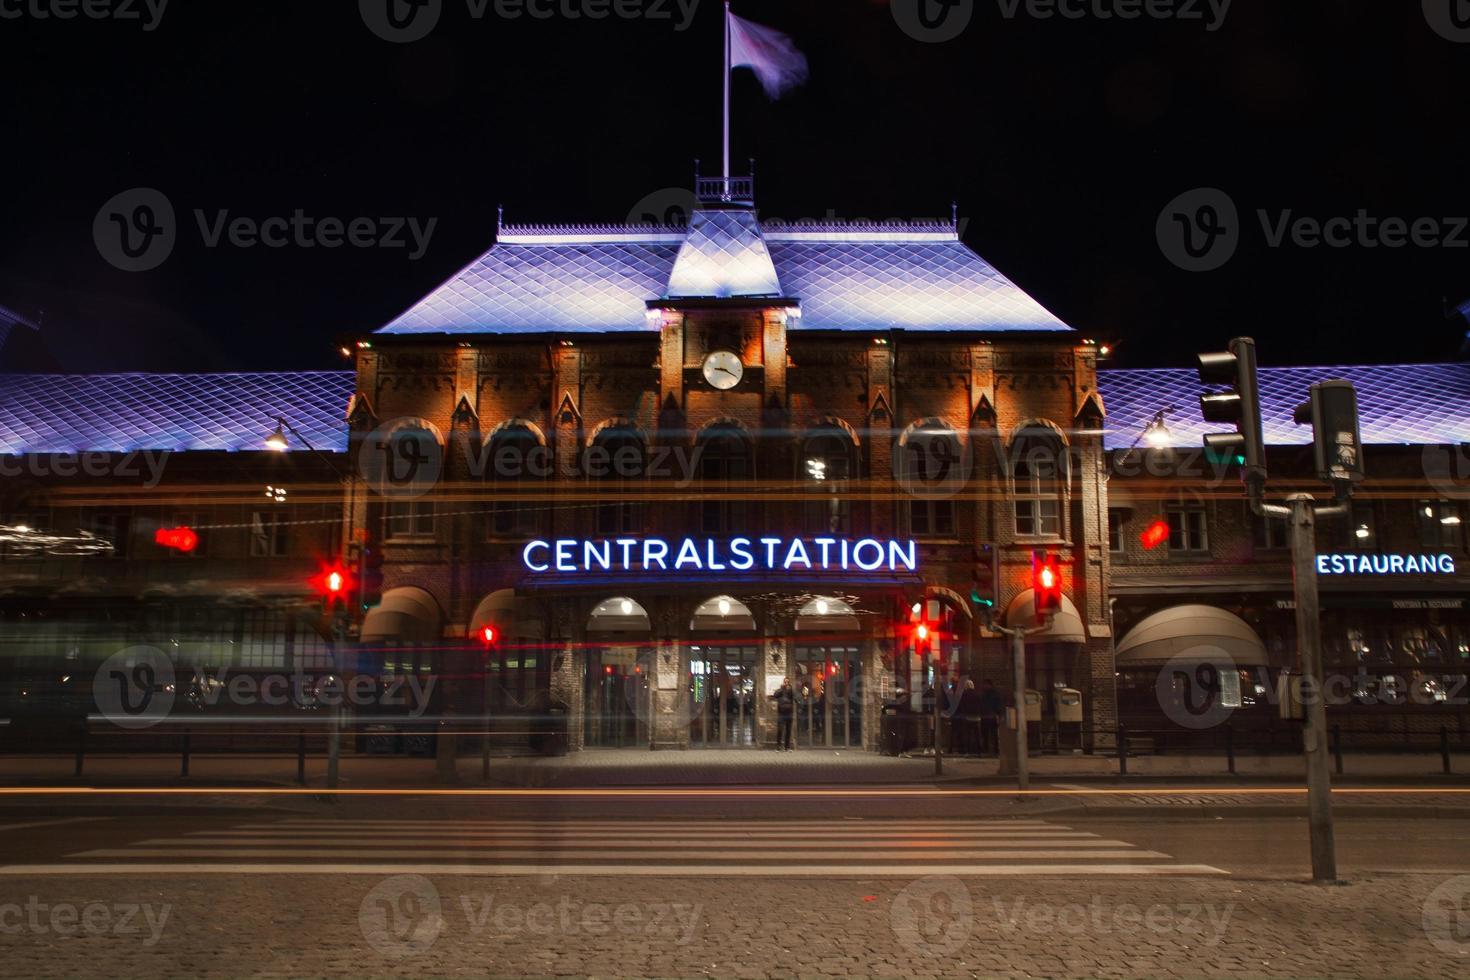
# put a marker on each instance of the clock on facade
(723, 370)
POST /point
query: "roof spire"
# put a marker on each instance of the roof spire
(499, 219)
(954, 215)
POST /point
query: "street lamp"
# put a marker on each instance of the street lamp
(276, 441)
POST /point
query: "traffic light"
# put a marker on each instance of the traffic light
(334, 584)
(1240, 406)
(985, 582)
(1337, 442)
(1046, 584)
(372, 573)
(488, 635)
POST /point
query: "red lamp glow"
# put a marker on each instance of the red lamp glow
(1154, 535)
(182, 539)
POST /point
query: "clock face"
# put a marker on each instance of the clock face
(723, 370)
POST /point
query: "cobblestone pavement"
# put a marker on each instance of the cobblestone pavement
(937, 926)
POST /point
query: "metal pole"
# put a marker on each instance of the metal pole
(1314, 732)
(725, 189)
(334, 731)
(1018, 666)
(938, 694)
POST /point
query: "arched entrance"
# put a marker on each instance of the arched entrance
(619, 661)
(827, 663)
(723, 658)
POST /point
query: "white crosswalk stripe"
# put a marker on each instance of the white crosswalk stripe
(611, 848)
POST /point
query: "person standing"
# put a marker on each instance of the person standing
(964, 728)
(785, 699)
(991, 706)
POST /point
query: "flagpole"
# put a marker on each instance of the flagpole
(728, 72)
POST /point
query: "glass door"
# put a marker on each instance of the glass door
(828, 706)
(722, 695)
(616, 697)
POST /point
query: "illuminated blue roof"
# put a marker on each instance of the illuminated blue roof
(1397, 403)
(845, 276)
(51, 413)
(63, 413)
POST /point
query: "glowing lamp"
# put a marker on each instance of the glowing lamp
(182, 539)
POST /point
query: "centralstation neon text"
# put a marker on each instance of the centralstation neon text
(571, 555)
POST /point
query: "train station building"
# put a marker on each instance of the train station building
(639, 476)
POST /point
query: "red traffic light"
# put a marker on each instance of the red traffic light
(332, 583)
(488, 635)
(182, 539)
(1154, 535)
(1046, 584)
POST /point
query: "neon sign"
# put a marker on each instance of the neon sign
(1385, 565)
(648, 555)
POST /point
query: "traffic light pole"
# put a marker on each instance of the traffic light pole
(1302, 517)
(1017, 635)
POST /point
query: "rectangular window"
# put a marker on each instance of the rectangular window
(931, 518)
(267, 534)
(1439, 524)
(1188, 530)
(1271, 533)
(1117, 521)
(410, 519)
(1039, 517)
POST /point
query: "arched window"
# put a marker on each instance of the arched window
(931, 468)
(617, 461)
(828, 461)
(725, 467)
(1038, 474)
(519, 460)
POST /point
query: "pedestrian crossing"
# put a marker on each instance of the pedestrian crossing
(642, 848)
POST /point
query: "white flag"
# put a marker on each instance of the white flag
(768, 53)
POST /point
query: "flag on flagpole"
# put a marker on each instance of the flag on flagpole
(769, 53)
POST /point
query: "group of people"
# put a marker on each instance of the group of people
(974, 717)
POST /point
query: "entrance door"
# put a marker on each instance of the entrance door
(829, 710)
(722, 695)
(616, 698)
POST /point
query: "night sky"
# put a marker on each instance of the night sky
(1062, 141)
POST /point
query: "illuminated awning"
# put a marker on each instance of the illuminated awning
(406, 615)
(1191, 634)
(1065, 625)
(828, 614)
(514, 617)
